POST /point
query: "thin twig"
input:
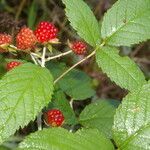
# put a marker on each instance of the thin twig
(37, 55)
(71, 103)
(39, 121)
(59, 55)
(39, 117)
(90, 55)
(33, 59)
(43, 57)
(87, 57)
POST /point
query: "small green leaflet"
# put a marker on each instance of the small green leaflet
(132, 121)
(122, 70)
(127, 22)
(83, 21)
(100, 115)
(61, 139)
(76, 84)
(24, 91)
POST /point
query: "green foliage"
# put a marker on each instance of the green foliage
(28, 88)
(3, 148)
(83, 21)
(132, 121)
(24, 91)
(99, 115)
(32, 14)
(60, 102)
(76, 84)
(127, 22)
(122, 70)
(61, 139)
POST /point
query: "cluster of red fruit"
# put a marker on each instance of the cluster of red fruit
(54, 118)
(45, 32)
(26, 40)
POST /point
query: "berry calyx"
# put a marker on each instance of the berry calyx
(12, 65)
(4, 39)
(26, 39)
(79, 47)
(46, 32)
(54, 118)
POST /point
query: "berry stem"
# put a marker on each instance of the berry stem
(71, 103)
(33, 58)
(87, 57)
(39, 121)
(39, 117)
(60, 55)
(61, 76)
(43, 57)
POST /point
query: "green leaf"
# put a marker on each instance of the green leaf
(127, 22)
(3, 148)
(83, 20)
(132, 121)
(32, 14)
(61, 139)
(76, 83)
(24, 91)
(99, 115)
(60, 102)
(122, 70)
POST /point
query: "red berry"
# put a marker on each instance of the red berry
(5, 39)
(54, 117)
(12, 65)
(25, 39)
(46, 32)
(79, 47)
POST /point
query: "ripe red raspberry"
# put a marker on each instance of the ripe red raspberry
(12, 65)
(54, 117)
(5, 39)
(25, 39)
(46, 32)
(79, 47)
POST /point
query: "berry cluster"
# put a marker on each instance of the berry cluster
(54, 118)
(46, 32)
(12, 65)
(26, 38)
(5, 39)
(78, 47)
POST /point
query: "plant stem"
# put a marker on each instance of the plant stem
(71, 103)
(37, 55)
(33, 59)
(39, 117)
(90, 55)
(58, 56)
(87, 57)
(43, 57)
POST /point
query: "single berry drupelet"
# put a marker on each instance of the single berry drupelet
(5, 39)
(12, 65)
(79, 47)
(46, 32)
(26, 39)
(54, 118)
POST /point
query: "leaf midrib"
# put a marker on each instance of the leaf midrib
(120, 66)
(15, 107)
(107, 38)
(134, 135)
(88, 28)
